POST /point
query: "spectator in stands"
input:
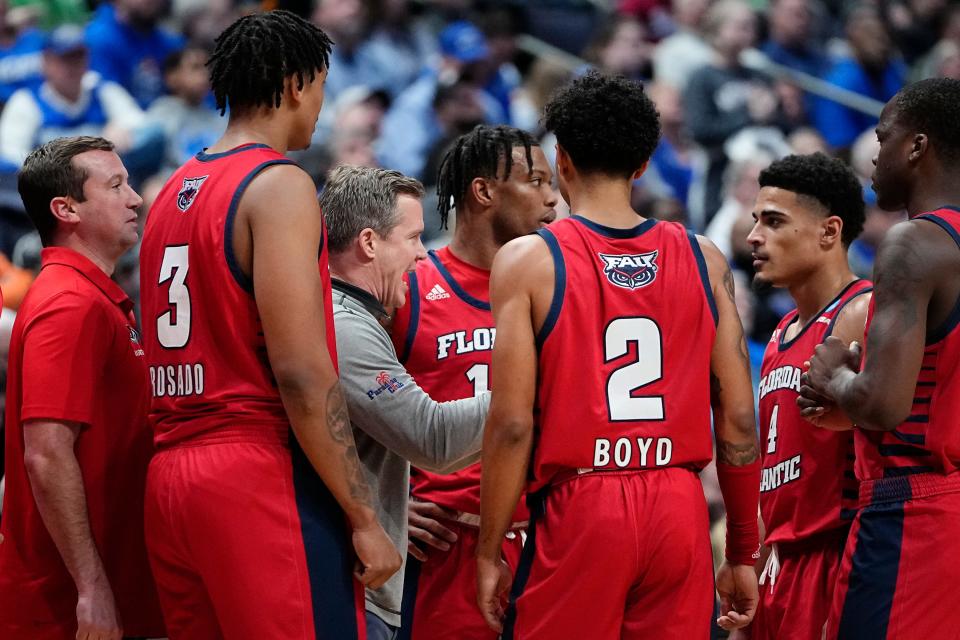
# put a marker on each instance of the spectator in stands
(914, 25)
(863, 250)
(726, 97)
(790, 39)
(20, 56)
(741, 189)
(405, 43)
(189, 123)
(679, 55)
(74, 101)
(352, 62)
(672, 163)
(872, 70)
(411, 128)
(127, 46)
(620, 47)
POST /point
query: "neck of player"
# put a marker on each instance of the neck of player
(815, 291)
(938, 188)
(604, 200)
(271, 131)
(474, 239)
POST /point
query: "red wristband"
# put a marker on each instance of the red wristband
(740, 487)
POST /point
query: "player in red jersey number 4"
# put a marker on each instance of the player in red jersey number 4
(808, 211)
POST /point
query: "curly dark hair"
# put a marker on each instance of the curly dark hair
(933, 107)
(257, 53)
(829, 181)
(607, 124)
(477, 155)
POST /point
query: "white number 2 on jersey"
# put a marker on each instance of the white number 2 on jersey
(647, 368)
(772, 433)
(174, 334)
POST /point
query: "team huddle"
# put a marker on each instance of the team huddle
(290, 447)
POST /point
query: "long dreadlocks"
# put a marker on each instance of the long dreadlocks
(477, 155)
(257, 53)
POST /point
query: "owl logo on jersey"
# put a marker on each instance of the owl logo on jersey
(630, 271)
(188, 192)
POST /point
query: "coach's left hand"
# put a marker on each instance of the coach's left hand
(739, 594)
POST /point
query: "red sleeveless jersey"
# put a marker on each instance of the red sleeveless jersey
(202, 333)
(444, 337)
(624, 366)
(807, 484)
(929, 439)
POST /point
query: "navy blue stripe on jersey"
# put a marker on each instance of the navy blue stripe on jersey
(898, 472)
(329, 551)
(918, 419)
(203, 156)
(873, 576)
(953, 319)
(783, 346)
(848, 514)
(614, 232)
(414, 296)
(833, 321)
(537, 503)
(411, 585)
(901, 450)
(910, 438)
(455, 286)
(559, 286)
(245, 281)
(704, 275)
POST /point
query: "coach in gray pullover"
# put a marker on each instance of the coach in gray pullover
(374, 220)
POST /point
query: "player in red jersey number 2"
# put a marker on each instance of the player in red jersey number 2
(613, 326)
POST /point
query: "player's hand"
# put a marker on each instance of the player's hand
(422, 518)
(377, 558)
(97, 615)
(493, 583)
(739, 594)
(828, 358)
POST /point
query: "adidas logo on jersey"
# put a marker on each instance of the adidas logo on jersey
(437, 293)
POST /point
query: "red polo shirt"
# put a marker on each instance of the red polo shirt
(75, 356)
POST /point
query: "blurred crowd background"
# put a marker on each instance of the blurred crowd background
(738, 83)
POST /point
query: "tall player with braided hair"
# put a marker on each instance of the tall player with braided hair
(498, 182)
(256, 476)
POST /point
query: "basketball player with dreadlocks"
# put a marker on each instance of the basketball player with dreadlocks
(499, 184)
(256, 475)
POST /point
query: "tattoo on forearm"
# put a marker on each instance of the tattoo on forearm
(730, 288)
(728, 285)
(338, 422)
(737, 454)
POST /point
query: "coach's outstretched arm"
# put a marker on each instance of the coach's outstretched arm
(880, 397)
(738, 454)
(519, 267)
(281, 210)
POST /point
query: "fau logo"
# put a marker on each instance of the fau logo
(631, 271)
(188, 192)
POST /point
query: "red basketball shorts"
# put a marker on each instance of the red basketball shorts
(615, 555)
(795, 602)
(898, 575)
(440, 595)
(246, 542)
